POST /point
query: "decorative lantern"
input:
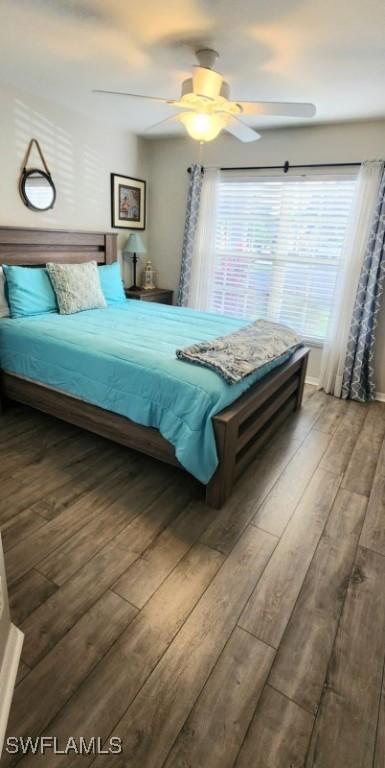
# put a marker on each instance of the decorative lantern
(148, 277)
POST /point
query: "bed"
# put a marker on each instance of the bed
(128, 378)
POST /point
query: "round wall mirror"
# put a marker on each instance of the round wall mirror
(37, 189)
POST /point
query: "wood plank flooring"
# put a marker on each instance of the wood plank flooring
(249, 637)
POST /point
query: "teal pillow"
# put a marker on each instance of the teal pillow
(111, 282)
(29, 291)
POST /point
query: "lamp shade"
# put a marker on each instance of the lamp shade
(134, 244)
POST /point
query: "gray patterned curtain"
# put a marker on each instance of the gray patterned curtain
(190, 227)
(358, 379)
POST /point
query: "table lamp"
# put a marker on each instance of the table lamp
(133, 246)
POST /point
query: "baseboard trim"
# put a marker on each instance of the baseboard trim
(8, 674)
(311, 380)
(380, 396)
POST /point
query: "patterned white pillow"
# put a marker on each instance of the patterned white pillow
(4, 308)
(77, 287)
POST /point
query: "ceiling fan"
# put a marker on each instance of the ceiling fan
(207, 108)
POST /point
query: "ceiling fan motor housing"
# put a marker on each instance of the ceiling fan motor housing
(206, 82)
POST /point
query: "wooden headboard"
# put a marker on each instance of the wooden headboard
(31, 247)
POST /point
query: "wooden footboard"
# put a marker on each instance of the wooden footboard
(243, 427)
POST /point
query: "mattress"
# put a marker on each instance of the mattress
(123, 359)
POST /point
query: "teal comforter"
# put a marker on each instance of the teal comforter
(123, 359)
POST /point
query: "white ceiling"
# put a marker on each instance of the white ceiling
(330, 52)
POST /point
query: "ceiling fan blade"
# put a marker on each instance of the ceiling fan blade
(278, 108)
(240, 130)
(135, 96)
(169, 120)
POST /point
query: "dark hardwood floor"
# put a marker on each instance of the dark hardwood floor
(252, 636)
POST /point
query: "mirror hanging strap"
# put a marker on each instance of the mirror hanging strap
(28, 152)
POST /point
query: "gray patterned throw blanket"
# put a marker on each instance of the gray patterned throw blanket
(243, 352)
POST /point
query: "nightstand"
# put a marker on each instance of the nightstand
(161, 295)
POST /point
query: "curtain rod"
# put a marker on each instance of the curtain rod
(285, 167)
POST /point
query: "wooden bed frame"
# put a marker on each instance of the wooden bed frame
(240, 430)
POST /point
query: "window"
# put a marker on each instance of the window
(278, 246)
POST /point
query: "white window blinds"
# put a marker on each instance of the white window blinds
(278, 245)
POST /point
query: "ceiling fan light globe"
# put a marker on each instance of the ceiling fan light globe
(201, 126)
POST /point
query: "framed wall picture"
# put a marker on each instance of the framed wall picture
(128, 202)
